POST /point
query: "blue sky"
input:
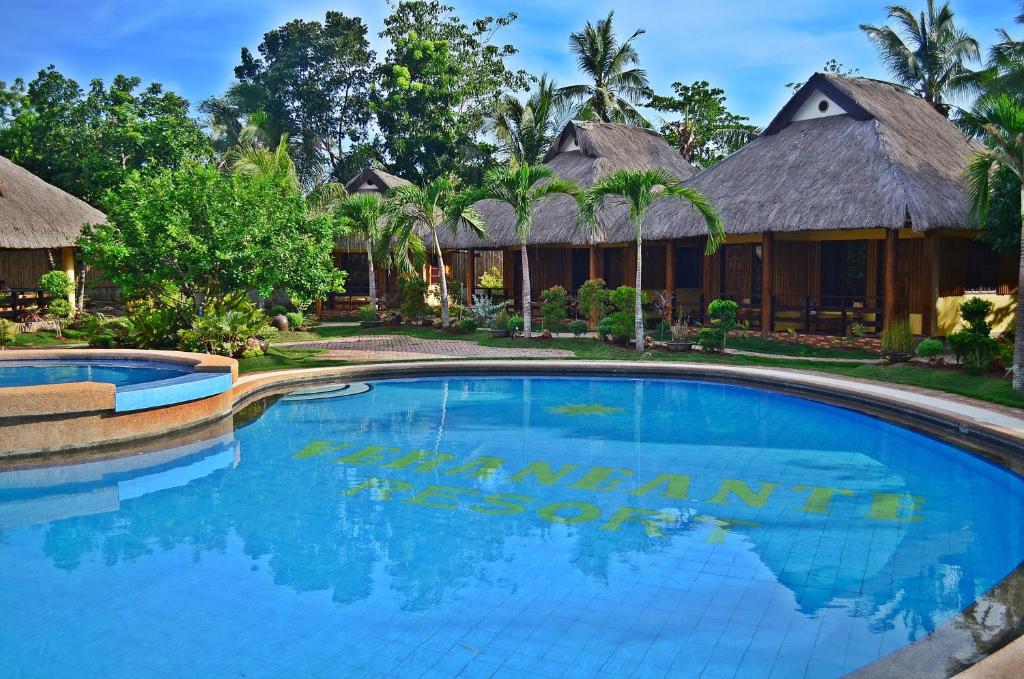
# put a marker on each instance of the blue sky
(751, 48)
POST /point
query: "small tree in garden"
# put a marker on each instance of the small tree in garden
(58, 286)
(592, 300)
(639, 189)
(412, 291)
(973, 344)
(8, 331)
(430, 208)
(522, 187)
(555, 306)
(722, 314)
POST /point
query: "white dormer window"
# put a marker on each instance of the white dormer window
(569, 144)
(818, 105)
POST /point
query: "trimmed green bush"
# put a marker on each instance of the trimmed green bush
(930, 348)
(516, 324)
(554, 307)
(578, 327)
(367, 313)
(295, 320)
(973, 345)
(468, 325)
(278, 310)
(412, 290)
(8, 331)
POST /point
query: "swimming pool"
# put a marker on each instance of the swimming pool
(118, 373)
(526, 526)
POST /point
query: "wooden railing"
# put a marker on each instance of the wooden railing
(825, 314)
(14, 303)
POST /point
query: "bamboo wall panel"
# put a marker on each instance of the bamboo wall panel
(654, 267)
(22, 268)
(548, 267)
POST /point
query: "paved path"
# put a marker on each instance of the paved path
(406, 348)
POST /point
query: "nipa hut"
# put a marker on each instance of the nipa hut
(39, 225)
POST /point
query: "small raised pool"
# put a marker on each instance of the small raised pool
(518, 527)
(140, 384)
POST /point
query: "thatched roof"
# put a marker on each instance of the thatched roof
(34, 214)
(888, 158)
(377, 179)
(369, 180)
(584, 152)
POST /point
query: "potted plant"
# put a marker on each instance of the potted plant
(682, 338)
(368, 317)
(499, 326)
(898, 341)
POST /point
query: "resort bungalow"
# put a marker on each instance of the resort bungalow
(849, 208)
(560, 251)
(39, 225)
(350, 251)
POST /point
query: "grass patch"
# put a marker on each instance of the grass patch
(286, 359)
(46, 338)
(782, 347)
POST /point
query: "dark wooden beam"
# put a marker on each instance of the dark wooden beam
(470, 276)
(767, 288)
(889, 307)
(594, 265)
(670, 276)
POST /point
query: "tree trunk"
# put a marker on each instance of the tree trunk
(1018, 340)
(80, 281)
(373, 274)
(527, 328)
(638, 311)
(442, 279)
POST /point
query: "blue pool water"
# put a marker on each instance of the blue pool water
(506, 527)
(119, 373)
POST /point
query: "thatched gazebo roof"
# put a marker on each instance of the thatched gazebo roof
(844, 153)
(372, 179)
(584, 152)
(37, 215)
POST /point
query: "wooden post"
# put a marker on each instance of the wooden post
(67, 263)
(508, 274)
(889, 314)
(594, 268)
(932, 255)
(767, 288)
(629, 270)
(670, 277)
(470, 276)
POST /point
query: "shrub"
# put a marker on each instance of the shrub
(515, 324)
(492, 279)
(857, 330)
(223, 327)
(413, 292)
(973, 345)
(485, 311)
(295, 320)
(577, 327)
(930, 348)
(554, 306)
(975, 313)
(468, 325)
(367, 313)
(154, 323)
(663, 328)
(711, 339)
(56, 283)
(592, 299)
(898, 338)
(278, 310)
(456, 292)
(8, 331)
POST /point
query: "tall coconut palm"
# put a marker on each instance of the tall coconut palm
(618, 81)
(930, 56)
(250, 156)
(639, 189)
(526, 130)
(365, 215)
(999, 120)
(521, 187)
(1005, 71)
(430, 208)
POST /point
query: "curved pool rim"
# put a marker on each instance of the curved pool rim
(948, 651)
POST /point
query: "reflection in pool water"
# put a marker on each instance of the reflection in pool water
(525, 526)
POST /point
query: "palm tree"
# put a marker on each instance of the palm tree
(430, 208)
(616, 86)
(520, 187)
(930, 55)
(525, 131)
(244, 105)
(639, 189)
(999, 120)
(251, 156)
(1005, 72)
(364, 214)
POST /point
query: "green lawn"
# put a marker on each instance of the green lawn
(46, 339)
(989, 388)
(774, 346)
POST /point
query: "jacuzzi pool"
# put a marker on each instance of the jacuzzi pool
(140, 384)
(118, 373)
(527, 526)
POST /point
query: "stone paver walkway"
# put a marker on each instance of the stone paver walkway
(405, 348)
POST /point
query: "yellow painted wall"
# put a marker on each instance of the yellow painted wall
(1001, 319)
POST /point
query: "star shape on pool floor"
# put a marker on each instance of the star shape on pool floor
(574, 409)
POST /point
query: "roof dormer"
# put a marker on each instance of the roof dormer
(818, 98)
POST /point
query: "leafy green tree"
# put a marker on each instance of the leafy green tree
(639, 189)
(525, 130)
(314, 79)
(440, 80)
(617, 82)
(205, 234)
(521, 187)
(429, 208)
(88, 141)
(999, 120)
(706, 131)
(928, 53)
